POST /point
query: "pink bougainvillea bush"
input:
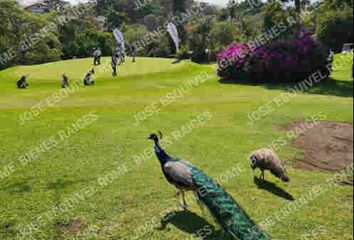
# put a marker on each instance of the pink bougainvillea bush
(280, 61)
(234, 60)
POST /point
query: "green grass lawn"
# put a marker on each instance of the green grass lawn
(132, 205)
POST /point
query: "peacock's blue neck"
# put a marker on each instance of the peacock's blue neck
(161, 154)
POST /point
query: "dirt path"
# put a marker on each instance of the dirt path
(328, 146)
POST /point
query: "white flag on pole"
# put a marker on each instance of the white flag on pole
(119, 37)
(172, 30)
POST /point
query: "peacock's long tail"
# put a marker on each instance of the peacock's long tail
(232, 218)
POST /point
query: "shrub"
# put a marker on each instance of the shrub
(133, 35)
(184, 53)
(280, 61)
(334, 28)
(233, 61)
(86, 41)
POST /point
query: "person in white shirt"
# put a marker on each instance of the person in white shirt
(97, 54)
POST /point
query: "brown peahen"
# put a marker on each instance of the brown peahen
(266, 159)
(228, 213)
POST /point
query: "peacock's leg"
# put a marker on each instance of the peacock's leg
(263, 175)
(177, 195)
(181, 204)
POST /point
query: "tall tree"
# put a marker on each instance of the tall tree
(298, 9)
(174, 6)
(115, 19)
(232, 7)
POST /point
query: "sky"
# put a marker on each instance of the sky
(217, 2)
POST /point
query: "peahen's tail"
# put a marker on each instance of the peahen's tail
(233, 219)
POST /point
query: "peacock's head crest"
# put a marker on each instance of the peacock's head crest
(155, 137)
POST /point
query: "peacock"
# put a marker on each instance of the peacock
(228, 213)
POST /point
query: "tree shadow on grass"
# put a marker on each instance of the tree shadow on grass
(331, 86)
(59, 184)
(18, 187)
(192, 224)
(273, 188)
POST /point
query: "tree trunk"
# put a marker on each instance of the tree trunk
(298, 10)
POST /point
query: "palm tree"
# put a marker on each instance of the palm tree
(232, 7)
(299, 5)
(298, 9)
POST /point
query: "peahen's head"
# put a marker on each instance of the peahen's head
(155, 137)
(254, 162)
(285, 178)
(284, 174)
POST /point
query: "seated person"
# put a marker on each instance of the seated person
(134, 56)
(88, 78)
(22, 83)
(65, 81)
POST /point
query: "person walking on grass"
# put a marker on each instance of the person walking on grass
(97, 54)
(22, 82)
(114, 62)
(133, 53)
(120, 54)
(134, 56)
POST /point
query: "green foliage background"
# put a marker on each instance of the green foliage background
(330, 20)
